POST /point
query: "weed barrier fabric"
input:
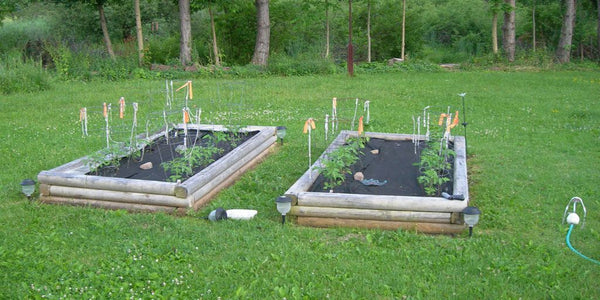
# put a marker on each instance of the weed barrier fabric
(159, 151)
(395, 163)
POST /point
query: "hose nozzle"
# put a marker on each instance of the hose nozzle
(572, 217)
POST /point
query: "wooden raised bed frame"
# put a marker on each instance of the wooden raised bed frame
(69, 184)
(423, 214)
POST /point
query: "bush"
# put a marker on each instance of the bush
(300, 65)
(15, 35)
(407, 66)
(17, 75)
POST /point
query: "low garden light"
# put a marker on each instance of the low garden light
(28, 187)
(471, 217)
(281, 132)
(284, 205)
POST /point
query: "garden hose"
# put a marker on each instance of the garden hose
(572, 219)
(575, 250)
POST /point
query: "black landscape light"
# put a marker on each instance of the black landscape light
(281, 131)
(218, 214)
(28, 187)
(471, 217)
(284, 205)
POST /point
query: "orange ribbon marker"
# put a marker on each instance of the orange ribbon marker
(455, 121)
(186, 116)
(360, 126)
(189, 85)
(121, 107)
(105, 111)
(441, 121)
(309, 123)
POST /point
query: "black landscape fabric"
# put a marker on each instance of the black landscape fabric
(394, 163)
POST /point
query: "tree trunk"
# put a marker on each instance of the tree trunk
(105, 34)
(185, 44)
(598, 25)
(403, 28)
(534, 42)
(350, 58)
(563, 51)
(214, 38)
(495, 33)
(263, 33)
(508, 31)
(327, 29)
(369, 31)
(140, 36)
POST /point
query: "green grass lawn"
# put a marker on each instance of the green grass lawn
(534, 142)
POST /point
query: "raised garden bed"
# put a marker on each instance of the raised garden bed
(396, 204)
(79, 183)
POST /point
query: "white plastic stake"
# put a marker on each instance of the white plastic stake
(367, 110)
(326, 126)
(354, 117)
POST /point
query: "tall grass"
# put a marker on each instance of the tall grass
(17, 75)
(533, 144)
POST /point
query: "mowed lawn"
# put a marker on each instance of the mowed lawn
(533, 143)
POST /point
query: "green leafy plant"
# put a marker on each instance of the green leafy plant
(109, 157)
(182, 167)
(434, 165)
(338, 162)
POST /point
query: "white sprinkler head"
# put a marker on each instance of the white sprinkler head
(573, 219)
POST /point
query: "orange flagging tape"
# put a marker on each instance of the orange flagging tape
(360, 126)
(310, 122)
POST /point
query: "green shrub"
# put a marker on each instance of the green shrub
(15, 35)
(300, 65)
(407, 66)
(162, 50)
(19, 76)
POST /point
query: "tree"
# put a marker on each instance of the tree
(138, 30)
(403, 28)
(495, 8)
(598, 29)
(369, 30)
(327, 28)
(185, 44)
(508, 30)
(263, 32)
(563, 51)
(214, 37)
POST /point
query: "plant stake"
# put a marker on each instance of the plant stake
(367, 110)
(326, 126)
(309, 125)
(134, 123)
(355, 109)
(121, 107)
(83, 120)
(334, 120)
(106, 113)
(464, 124)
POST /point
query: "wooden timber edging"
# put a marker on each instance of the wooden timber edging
(424, 227)
(244, 152)
(424, 214)
(69, 184)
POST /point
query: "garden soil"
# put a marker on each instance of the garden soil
(395, 163)
(160, 151)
